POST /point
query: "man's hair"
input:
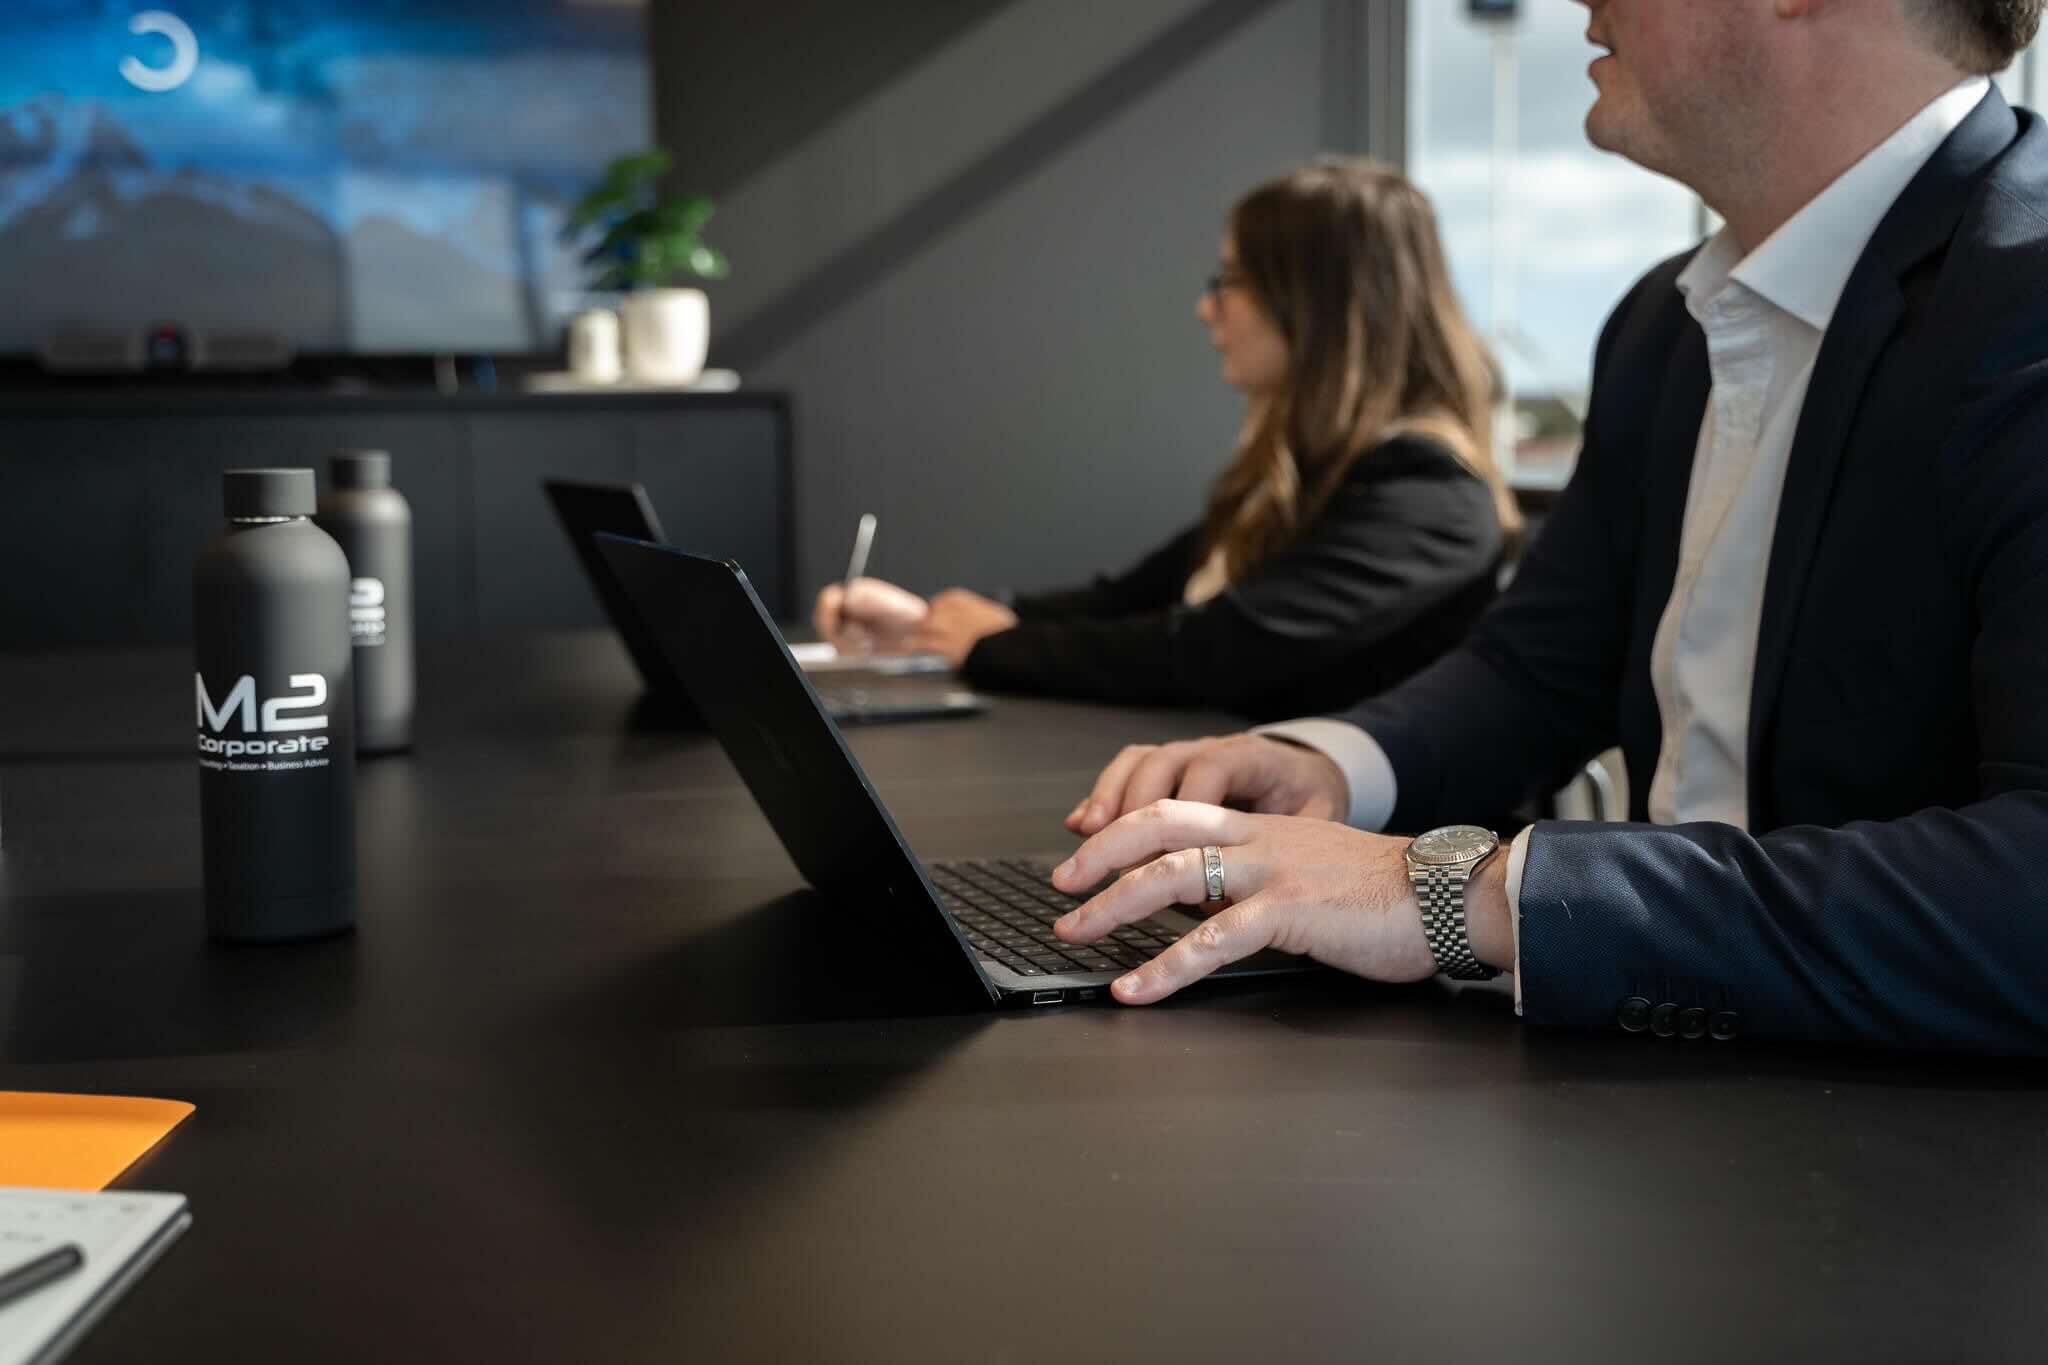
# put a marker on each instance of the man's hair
(1981, 36)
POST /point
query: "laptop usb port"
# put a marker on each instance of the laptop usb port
(1047, 997)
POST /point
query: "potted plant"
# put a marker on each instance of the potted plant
(649, 241)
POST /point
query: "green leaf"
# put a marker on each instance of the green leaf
(631, 229)
(645, 240)
(641, 168)
(593, 208)
(626, 182)
(708, 263)
(685, 215)
(650, 261)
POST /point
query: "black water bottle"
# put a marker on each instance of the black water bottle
(276, 716)
(371, 522)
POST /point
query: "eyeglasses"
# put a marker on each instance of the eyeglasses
(1221, 278)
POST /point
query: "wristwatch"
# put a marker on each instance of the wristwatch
(1440, 863)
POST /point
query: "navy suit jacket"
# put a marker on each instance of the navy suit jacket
(1893, 885)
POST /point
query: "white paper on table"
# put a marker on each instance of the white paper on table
(819, 656)
(120, 1232)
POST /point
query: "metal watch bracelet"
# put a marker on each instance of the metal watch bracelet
(1440, 891)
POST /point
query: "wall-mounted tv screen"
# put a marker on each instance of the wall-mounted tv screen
(353, 176)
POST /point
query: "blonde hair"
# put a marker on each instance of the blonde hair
(1344, 256)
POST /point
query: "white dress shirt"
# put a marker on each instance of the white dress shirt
(1764, 316)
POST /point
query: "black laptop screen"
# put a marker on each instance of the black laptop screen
(719, 640)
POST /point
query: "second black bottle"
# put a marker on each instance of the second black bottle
(371, 522)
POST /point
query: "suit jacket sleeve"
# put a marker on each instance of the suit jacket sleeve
(1918, 932)
(1409, 528)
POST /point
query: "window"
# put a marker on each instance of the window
(2022, 82)
(1578, 225)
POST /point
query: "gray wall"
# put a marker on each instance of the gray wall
(138, 477)
(968, 238)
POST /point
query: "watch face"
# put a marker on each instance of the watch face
(1453, 844)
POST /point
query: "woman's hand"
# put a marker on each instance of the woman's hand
(958, 619)
(868, 615)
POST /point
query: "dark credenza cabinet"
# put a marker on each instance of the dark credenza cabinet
(104, 499)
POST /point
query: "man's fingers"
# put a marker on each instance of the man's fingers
(1105, 802)
(1212, 776)
(1201, 770)
(1174, 878)
(1144, 834)
(1158, 776)
(1316, 807)
(1262, 774)
(1220, 940)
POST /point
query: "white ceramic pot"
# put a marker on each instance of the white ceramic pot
(666, 332)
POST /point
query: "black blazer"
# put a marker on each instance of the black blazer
(1392, 573)
(1895, 888)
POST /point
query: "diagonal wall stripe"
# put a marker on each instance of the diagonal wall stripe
(870, 259)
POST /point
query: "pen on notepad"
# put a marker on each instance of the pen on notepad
(33, 1275)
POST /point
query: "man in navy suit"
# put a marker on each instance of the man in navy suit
(1800, 577)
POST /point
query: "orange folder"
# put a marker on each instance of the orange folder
(78, 1142)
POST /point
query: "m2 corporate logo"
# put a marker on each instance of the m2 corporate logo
(366, 623)
(281, 715)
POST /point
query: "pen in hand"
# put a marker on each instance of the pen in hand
(34, 1274)
(863, 541)
(856, 565)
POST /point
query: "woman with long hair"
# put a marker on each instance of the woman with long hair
(1358, 529)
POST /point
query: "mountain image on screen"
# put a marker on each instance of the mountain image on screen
(352, 176)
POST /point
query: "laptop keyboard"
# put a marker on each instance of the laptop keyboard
(1006, 908)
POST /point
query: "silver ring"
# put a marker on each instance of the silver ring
(1212, 870)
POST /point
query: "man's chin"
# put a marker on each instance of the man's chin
(1610, 129)
(1600, 129)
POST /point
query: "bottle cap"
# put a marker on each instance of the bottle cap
(360, 469)
(253, 493)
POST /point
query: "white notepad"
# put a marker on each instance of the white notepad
(821, 657)
(121, 1232)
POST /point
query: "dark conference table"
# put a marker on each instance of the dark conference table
(573, 1092)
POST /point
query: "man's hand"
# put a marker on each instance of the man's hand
(956, 623)
(869, 614)
(1265, 775)
(1307, 886)
(1333, 893)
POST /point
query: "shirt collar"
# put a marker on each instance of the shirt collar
(1804, 266)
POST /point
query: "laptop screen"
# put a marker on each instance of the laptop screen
(718, 639)
(587, 509)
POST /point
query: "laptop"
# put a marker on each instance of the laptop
(856, 695)
(978, 931)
